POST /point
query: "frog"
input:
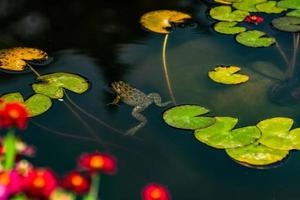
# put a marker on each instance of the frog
(138, 100)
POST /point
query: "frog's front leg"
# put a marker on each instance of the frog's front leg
(115, 101)
(157, 99)
(136, 113)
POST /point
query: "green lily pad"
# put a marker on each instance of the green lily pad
(220, 135)
(228, 28)
(294, 13)
(291, 4)
(248, 5)
(225, 13)
(276, 133)
(269, 7)
(226, 75)
(38, 104)
(255, 39)
(187, 117)
(53, 85)
(287, 23)
(15, 96)
(257, 154)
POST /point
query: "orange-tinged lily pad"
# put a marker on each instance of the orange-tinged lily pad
(162, 21)
(227, 75)
(14, 59)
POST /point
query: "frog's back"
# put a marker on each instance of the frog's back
(134, 97)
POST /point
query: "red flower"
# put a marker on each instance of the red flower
(253, 19)
(13, 114)
(40, 183)
(98, 162)
(76, 182)
(155, 191)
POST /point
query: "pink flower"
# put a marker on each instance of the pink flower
(155, 191)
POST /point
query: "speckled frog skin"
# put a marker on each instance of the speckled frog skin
(136, 98)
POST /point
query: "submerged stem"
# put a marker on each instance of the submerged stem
(294, 56)
(284, 56)
(92, 116)
(166, 69)
(33, 70)
(88, 127)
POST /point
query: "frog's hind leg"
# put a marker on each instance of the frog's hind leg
(157, 99)
(136, 113)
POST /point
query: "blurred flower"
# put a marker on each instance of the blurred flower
(98, 162)
(23, 167)
(76, 182)
(4, 192)
(253, 19)
(155, 191)
(13, 114)
(40, 183)
(59, 194)
(11, 182)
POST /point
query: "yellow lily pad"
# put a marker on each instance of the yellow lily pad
(257, 154)
(227, 1)
(226, 75)
(162, 21)
(14, 59)
(276, 133)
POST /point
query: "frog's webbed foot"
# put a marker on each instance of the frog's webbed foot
(136, 114)
(157, 99)
(115, 101)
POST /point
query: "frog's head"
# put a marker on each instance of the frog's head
(118, 86)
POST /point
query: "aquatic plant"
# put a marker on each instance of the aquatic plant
(227, 75)
(47, 87)
(231, 22)
(164, 21)
(268, 142)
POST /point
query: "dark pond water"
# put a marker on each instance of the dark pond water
(104, 42)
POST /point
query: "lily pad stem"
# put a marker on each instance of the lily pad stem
(87, 126)
(294, 57)
(166, 69)
(93, 116)
(281, 52)
(10, 149)
(33, 70)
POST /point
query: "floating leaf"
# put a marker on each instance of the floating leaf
(15, 96)
(292, 4)
(225, 13)
(289, 24)
(257, 154)
(294, 13)
(226, 75)
(248, 5)
(269, 7)
(53, 85)
(38, 104)
(228, 28)
(255, 39)
(276, 133)
(220, 134)
(227, 1)
(161, 21)
(14, 59)
(187, 117)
